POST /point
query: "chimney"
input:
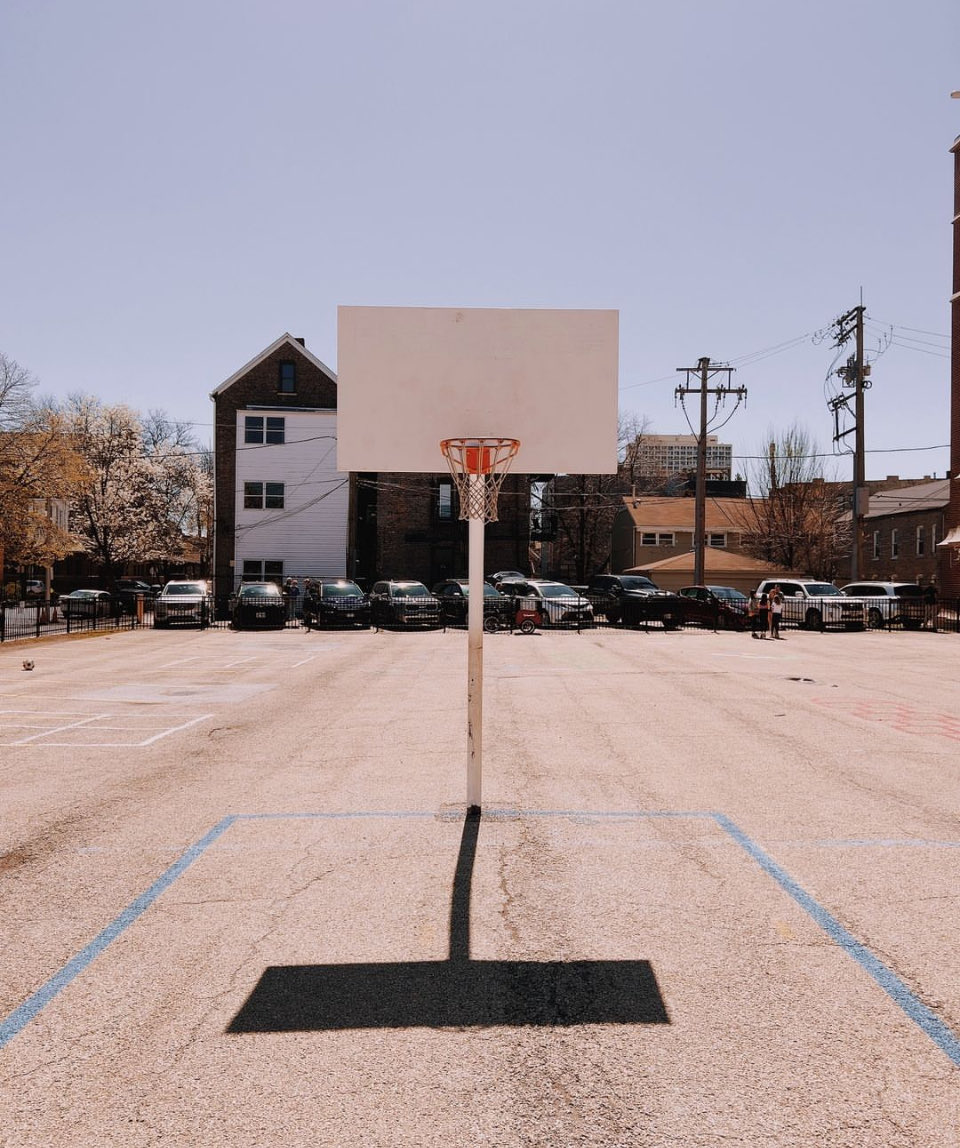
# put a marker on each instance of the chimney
(302, 342)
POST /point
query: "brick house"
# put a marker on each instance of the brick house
(408, 526)
(651, 529)
(903, 528)
(281, 508)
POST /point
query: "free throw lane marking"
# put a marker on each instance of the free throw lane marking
(922, 1016)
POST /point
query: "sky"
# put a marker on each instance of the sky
(186, 181)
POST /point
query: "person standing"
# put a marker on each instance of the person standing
(930, 609)
(776, 611)
(763, 613)
(753, 614)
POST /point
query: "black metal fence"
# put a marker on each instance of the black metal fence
(42, 619)
(38, 619)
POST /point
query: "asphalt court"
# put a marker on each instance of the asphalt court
(559, 949)
(740, 927)
(111, 716)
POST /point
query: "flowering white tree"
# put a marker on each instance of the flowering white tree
(120, 513)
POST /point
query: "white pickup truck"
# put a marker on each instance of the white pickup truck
(815, 605)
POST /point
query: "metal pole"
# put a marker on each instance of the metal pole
(475, 652)
(859, 468)
(700, 508)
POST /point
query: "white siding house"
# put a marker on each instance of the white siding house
(281, 507)
(292, 502)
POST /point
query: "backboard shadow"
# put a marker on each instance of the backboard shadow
(458, 992)
(439, 994)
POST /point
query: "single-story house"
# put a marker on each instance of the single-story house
(721, 568)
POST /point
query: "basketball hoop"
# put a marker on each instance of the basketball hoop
(479, 466)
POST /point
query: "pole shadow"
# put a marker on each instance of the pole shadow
(458, 992)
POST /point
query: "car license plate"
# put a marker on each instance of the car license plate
(261, 613)
(349, 614)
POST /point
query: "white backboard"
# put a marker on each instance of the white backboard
(408, 377)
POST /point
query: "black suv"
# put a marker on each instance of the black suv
(128, 590)
(634, 600)
(454, 603)
(337, 603)
(405, 603)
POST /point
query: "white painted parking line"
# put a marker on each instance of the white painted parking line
(99, 730)
(304, 661)
(61, 729)
(176, 729)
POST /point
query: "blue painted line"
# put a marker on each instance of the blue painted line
(891, 984)
(915, 1009)
(880, 843)
(390, 814)
(618, 814)
(21, 1017)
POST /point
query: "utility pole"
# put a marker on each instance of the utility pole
(854, 374)
(705, 372)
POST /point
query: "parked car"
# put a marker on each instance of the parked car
(889, 603)
(634, 600)
(258, 606)
(505, 576)
(183, 602)
(454, 596)
(815, 605)
(721, 606)
(137, 586)
(335, 602)
(403, 603)
(128, 590)
(556, 603)
(35, 588)
(87, 604)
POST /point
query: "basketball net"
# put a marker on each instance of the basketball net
(478, 467)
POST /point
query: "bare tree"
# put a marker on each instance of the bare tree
(584, 507)
(16, 393)
(799, 518)
(184, 478)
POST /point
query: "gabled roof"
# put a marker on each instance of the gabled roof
(910, 499)
(294, 345)
(715, 561)
(662, 513)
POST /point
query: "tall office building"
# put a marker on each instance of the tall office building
(664, 455)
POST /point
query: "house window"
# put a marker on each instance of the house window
(666, 540)
(648, 539)
(257, 429)
(262, 570)
(876, 544)
(716, 540)
(920, 542)
(263, 496)
(287, 380)
(894, 544)
(444, 501)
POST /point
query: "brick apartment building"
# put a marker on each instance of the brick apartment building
(902, 531)
(408, 526)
